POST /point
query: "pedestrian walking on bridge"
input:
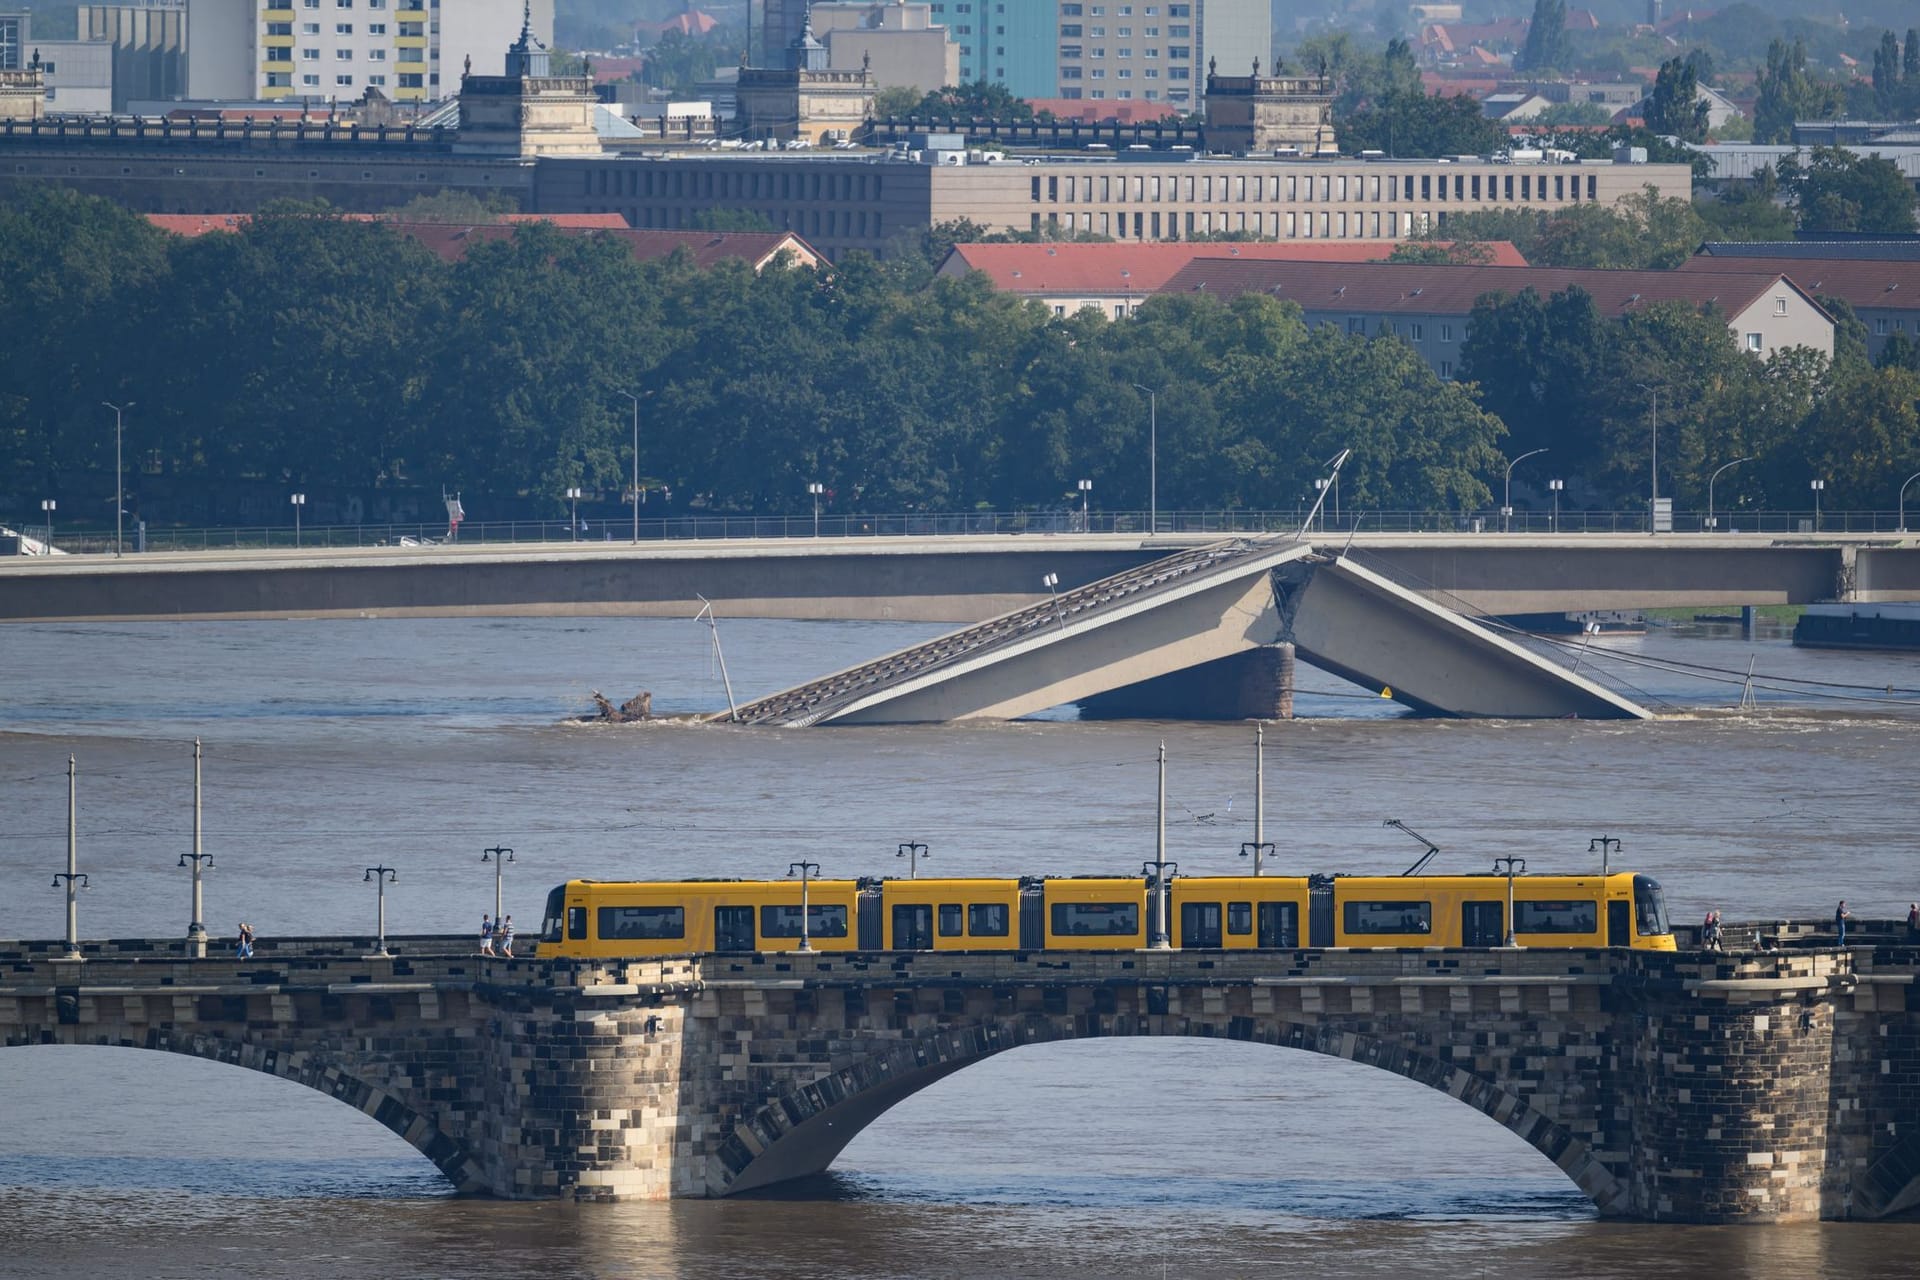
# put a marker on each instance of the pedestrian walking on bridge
(1840, 917)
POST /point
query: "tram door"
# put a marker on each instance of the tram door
(913, 926)
(1480, 924)
(1620, 923)
(1200, 925)
(1279, 924)
(733, 929)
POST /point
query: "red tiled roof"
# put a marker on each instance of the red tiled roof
(451, 242)
(196, 224)
(1864, 282)
(1451, 290)
(1145, 268)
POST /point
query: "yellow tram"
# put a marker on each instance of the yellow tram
(595, 919)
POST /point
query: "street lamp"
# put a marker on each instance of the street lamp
(1259, 849)
(1052, 583)
(913, 851)
(1159, 937)
(119, 476)
(805, 869)
(196, 924)
(299, 501)
(1903, 505)
(47, 506)
(72, 877)
(1604, 846)
(1653, 471)
(1712, 522)
(636, 465)
(1506, 500)
(1818, 487)
(381, 877)
(1556, 486)
(816, 489)
(499, 857)
(1153, 457)
(1086, 491)
(1510, 866)
(573, 521)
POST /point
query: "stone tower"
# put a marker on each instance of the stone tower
(1256, 114)
(529, 111)
(803, 99)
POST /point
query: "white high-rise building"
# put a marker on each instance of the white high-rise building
(410, 50)
(1158, 52)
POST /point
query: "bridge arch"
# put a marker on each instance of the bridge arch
(316, 1071)
(802, 1130)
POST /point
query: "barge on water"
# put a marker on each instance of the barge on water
(1859, 626)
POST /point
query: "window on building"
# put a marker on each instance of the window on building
(376, 28)
(1123, 32)
(377, 55)
(309, 55)
(1070, 31)
(1179, 73)
(377, 80)
(1446, 369)
(1151, 32)
(343, 28)
(1123, 53)
(1098, 33)
(1180, 51)
(343, 81)
(343, 55)
(1446, 333)
(309, 28)
(279, 28)
(273, 55)
(311, 82)
(1153, 73)
(1099, 74)
(1880, 326)
(1123, 74)
(343, 4)
(1779, 306)
(1753, 342)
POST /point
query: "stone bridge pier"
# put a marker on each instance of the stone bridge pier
(1683, 1087)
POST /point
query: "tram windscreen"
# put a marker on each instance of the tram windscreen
(556, 912)
(1649, 908)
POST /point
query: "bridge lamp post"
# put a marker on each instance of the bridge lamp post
(196, 924)
(72, 876)
(573, 521)
(499, 857)
(1511, 867)
(1653, 470)
(119, 477)
(48, 505)
(1818, 487)
(1506, 500)
(1258, 849)
(1603, 845)
(1159, 937)
(1903, 503)
(1713, 521)
(1153, 457)
(381, 878)
(1086, 519)
(1556, 486)
(636, 465)
(913, 851)
(299, 500)
(804, 870)
(816, 489)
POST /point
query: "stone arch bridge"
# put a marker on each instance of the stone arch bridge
(1686, 1086)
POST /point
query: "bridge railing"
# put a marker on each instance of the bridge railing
(616, 528)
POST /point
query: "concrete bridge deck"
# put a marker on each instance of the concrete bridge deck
(1687, 1086)
(942, 579)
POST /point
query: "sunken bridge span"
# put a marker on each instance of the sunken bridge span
(1673, 1087)
(1207, 633)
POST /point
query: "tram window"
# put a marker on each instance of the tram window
(643, 922)
(1239, 917)
(1649, 907)
(576, 922)
(952, 918)
(1088, 919)
(1389, 917)
(1556, 917)
(987, 919)
(824, 920)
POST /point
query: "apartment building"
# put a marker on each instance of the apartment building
(1884, 292)
(408, 50)
(843, 202)
(1157, 52)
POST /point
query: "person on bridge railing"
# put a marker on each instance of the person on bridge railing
(1840, 917)
(506, 936)
(486, 935)
(1913, 922)
(243, 946)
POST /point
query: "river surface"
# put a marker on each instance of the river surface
(335, 746)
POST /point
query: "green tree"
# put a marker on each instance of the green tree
(1547, 45)
(454, 206)
(1837, 190)
(1886, 73)
(978, 100)
(729, 220)
(1675, 106)
(1910, 58)
(1414, 124)
(1788, 92)
(1900, 352)
(896, 100)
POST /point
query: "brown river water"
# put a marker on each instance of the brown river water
(332, 746)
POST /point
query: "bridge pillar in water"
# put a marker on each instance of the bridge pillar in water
(1254, 685)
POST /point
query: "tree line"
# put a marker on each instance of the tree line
(341, 359)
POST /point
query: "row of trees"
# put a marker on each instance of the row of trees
(339, 358)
